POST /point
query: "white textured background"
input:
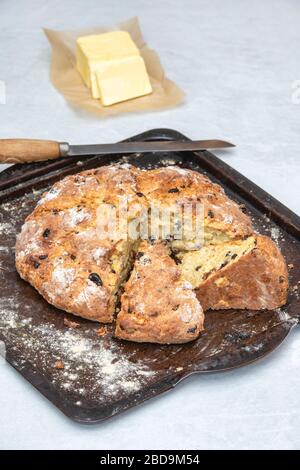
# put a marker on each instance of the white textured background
(237, 61)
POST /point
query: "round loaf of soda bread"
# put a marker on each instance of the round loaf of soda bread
(62, 254)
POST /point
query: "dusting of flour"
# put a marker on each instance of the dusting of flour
(93, 370)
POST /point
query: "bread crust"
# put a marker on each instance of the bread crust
(60, 268)
(158, 306)
(257, 280)
(172, 185)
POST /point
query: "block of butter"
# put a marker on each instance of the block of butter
(112, 67)
(123, 80)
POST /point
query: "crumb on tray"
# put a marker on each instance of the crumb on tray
(102, 331)
(59, 365)
(71, 324)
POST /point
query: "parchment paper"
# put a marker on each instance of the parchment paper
(67, 80)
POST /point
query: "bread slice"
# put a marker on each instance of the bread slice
(158, 306)
(244, 274)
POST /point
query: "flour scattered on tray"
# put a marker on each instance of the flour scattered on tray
(91, 368)
(5, 228)
(275, 234)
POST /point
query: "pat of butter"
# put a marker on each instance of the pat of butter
(98, 53)
(123, 80)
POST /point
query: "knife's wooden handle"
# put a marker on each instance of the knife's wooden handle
(28, 150)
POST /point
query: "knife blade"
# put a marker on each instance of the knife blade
(139, 147)
(30, 150)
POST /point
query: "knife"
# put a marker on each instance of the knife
(28, 150)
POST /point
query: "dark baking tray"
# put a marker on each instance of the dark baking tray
(103, 376)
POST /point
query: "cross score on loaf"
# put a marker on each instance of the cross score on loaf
(59, 252)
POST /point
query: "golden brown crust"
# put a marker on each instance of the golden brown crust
(170, 185)
(157, 305)
(91, 187)
(60, 266)
(257, 280)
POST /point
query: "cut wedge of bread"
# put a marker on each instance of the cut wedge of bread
(245, 274)
(157, 305)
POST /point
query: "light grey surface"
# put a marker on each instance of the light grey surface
(237, 62)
